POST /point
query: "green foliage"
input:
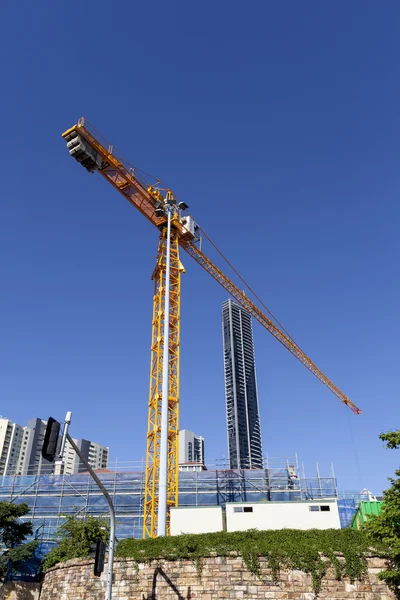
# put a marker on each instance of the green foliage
(11, 559)
(76, 538)
(13, 533)
(385, 528)
(392, 439)
(311, 551)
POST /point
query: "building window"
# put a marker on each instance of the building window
(248, 509)
(243, 509)
(238, 509)
(313, 508)
(325, 508)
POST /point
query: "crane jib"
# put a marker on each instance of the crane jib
(95, 154)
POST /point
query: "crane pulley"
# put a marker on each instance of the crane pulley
(95, 154)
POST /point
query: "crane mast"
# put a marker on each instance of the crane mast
(156, 373)
(88, 147)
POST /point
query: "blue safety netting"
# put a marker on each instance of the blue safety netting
(51, 497)
(347, 509)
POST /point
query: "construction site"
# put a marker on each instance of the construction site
(199, 308)
(177, 230)
(51, 497)
(144, 495)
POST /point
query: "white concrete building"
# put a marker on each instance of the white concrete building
(191, 451)
(312, 514)
(11, 439)
(194, 519)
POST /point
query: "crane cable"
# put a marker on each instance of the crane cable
(143, 175)
(249, 288)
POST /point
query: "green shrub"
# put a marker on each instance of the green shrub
(385, 528)
(76, 538)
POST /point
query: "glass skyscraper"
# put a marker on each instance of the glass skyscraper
(242, 415)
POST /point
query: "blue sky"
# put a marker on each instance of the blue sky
(278, 123)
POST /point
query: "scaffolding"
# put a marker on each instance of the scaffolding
(52, 497)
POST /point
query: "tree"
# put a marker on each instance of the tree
(385, 528)
(76, 539)
(13, 533)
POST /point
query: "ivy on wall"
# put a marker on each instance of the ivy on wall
(312, 551)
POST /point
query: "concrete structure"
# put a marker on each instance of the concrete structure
(241, 516)
(222, 577)
(191, 451)
(242, 414)
(321, 514)
(96, 455)
(205, 519)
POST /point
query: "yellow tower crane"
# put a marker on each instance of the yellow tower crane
(95, 154)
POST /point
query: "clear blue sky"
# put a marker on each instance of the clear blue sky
(278, 123)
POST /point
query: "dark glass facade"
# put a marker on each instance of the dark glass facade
(243, 420)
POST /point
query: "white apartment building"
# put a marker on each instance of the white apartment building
(11, 441)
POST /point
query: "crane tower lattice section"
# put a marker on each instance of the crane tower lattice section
(150, 520)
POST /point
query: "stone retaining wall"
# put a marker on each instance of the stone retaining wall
(222, 578)
(20, 590)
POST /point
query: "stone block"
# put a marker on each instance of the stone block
(297, 576)
(252, 589)
(363, 587)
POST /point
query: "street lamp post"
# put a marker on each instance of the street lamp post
(51, 449)
(111, 542)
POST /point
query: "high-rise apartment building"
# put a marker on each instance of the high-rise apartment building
(96, 455)
(243, 420)
(11, 440)
(21, 451)
(191, 450)
(32, 462)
